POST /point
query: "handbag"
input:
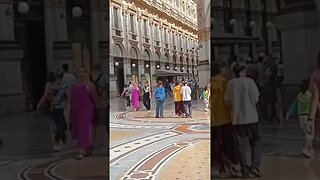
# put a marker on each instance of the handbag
(45, 107)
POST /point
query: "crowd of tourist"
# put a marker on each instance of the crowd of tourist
(245, 93)
(77, 103)
(241, 91)
(182, 92)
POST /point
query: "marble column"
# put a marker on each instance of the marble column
(300, 39)
(204, 35)
(12, 97)
(59, 48)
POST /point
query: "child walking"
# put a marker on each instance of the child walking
(302, 107)
(205, 97)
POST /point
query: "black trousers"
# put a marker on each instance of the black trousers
(58, 117)
(128, 101)
(146, 100)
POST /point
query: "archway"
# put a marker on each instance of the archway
(157, 57)
(147, 70)
(167, 60)
(134, 64)
(118, 67)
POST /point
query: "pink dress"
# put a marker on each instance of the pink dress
(82, 116)
(136, 98)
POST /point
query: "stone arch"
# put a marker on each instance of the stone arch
(118, 46)
(167, 57)
(138, 56)
(207, 16)
(174, 59)
(146, 55)
(157, 56)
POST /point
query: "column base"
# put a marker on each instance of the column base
(13, 104)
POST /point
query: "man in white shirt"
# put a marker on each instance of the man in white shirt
(243, 95)
(186, 97)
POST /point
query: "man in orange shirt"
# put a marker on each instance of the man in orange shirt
(178, 103)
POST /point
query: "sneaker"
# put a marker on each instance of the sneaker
(255, 172)
(56, 148)
(306, 153)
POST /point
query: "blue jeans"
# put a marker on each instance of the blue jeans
(159, 108)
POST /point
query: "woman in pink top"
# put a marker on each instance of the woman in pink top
(83, 105)
(136, 97)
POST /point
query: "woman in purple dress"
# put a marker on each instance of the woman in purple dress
(83, 104)
(136, 97)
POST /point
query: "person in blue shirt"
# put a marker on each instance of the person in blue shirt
(160, 95)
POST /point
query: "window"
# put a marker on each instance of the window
(146, 56)
(132, 23)
(177, 4)
(117, 52)
(145, 28)
(173, 39)
(134, 54)
(116, 18)
(165, 35)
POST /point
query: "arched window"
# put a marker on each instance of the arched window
(146, 56)
(167, 57)
(157, 56)
(117, 52)
(133, 53)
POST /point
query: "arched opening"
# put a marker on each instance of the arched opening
(158, 65)
(167, 59)
(174, 62)
(181, 64)
(146, 58)
(134, 65)
(118, 68)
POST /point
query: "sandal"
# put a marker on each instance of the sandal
(80, 157)
(89, 152)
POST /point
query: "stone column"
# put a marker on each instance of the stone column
(204, 35)
(59, 48)
(12, 97)
(300, 45)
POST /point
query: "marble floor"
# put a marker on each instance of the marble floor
(142, 147)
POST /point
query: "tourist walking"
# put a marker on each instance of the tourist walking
(160, 95)
(83, 107)
(186, 97)
(242, 94)
(56, 94)
(224, 144)
(101, 82)
(302, 107)
(205, 97)
(136, 97)
(147, 95)
(269, 91)
(126, 93)
(178, 103)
